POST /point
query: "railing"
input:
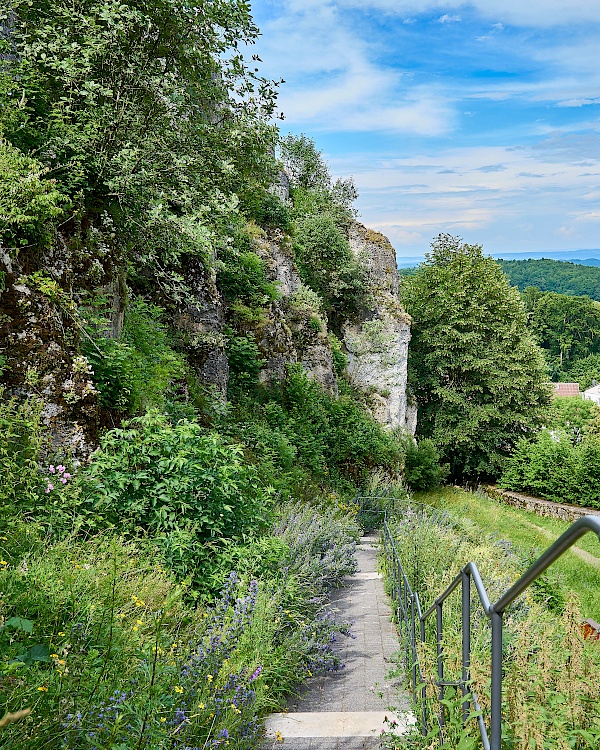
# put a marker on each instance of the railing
(412, 622)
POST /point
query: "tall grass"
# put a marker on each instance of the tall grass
(551, 690)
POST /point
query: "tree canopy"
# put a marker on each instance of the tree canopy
(558, 276)
(474, 369)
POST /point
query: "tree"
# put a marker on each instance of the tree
(567, 327)
(476, 373)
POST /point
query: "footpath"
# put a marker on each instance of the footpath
(349, 710)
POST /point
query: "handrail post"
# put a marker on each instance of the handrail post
(496, 720)
(466, 640)
(413, 642)
(424, 688)
(440, 658)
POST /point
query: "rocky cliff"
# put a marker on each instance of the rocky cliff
(377, 345)
(41, 335)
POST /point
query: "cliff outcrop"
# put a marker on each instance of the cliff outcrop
(377, 345)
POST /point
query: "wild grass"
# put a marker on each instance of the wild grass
(551, 689)
(487, 517)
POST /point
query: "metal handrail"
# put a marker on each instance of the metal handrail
(408, 612)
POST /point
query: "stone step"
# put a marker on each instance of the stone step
(337, 724)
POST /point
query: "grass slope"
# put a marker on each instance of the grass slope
(531, 535)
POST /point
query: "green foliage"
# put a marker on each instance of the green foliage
(549, 694)
(244, 362)
(476, 374)
(554, 468)
(327, 266)
(583, 371)
(567, 328)
(185, 487)
(20, 444)
(30, 203)
(340, 360)
(145, 112)
(554, 276)
(422, 469)
(97, 637)
(574, 416)
(266, 209)
(301, 435)
(136, 370)
(241, 273)
(304, 163)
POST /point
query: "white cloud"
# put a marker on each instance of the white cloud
(536, 13)
(333, 83)
(447, 18)
(577, 102)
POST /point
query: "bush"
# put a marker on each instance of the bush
(184, 486)
(422, 469)
(30, 204)
(327, 266)
(20, 444)
(135, 371)
(553, 468)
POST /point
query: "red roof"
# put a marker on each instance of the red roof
(565, 389)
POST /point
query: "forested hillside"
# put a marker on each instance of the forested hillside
(558, 276)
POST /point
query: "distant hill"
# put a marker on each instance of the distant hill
(564, 277)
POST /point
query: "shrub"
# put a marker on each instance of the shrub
(136, 370)
(20, 444)
(244, 362)
(184, 486)
(30, 203)
(422, 469)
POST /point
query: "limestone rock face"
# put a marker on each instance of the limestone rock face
(377, 345)
(202, 322)
(39, 343)
(295, 333)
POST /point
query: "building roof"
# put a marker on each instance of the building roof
(565, 389)
(593, 391)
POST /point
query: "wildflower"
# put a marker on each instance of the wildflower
(135, 627)
(66, 475)
(279, 736)
(60, 632)
(201, 706)
(140, 622)
(162, 718)
(3, 562)
(49, 487)
(255, 674)
(209, 677)
(54, 656)
(178, 689)
(51, 469)
(43, 689)
(60, 468)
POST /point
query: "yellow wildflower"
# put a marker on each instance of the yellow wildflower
(43, 689)
(178, 689)
(60, 633)
(209, 677)
(201, 706)
(279, 736)
(162, 718)
(3, 562)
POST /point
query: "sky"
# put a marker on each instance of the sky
(481, 119)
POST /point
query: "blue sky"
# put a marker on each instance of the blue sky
(479, 119)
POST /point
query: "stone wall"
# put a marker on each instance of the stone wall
(537, 505)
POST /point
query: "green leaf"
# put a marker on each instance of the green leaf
(19, 623)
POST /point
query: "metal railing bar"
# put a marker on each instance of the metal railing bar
(560, 546)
